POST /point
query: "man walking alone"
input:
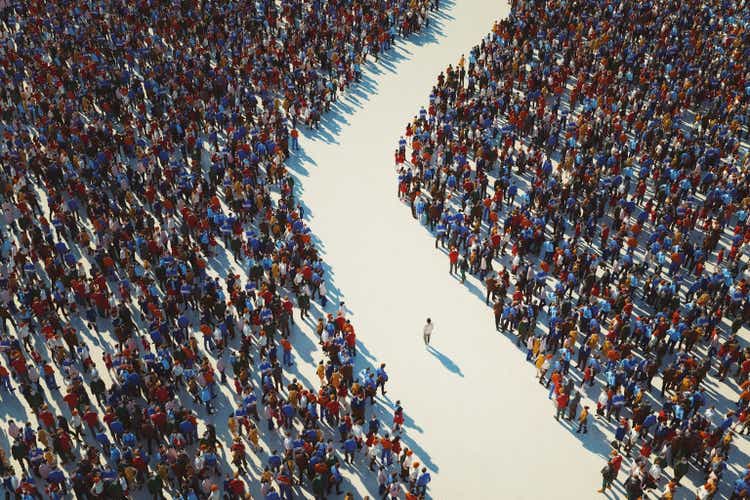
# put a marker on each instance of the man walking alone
(427, 331)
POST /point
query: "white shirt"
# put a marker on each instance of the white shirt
(33, 374)
(14, 430)
(428, 328)
(655, 472)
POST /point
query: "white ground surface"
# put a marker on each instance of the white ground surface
(483, 420)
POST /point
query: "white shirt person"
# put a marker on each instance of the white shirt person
(429, 327)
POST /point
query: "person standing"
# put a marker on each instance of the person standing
(294, 134)
(491, 283)
(610, 471)
(562, 404)
(497, 309)
(453, 257)
(680, 469)
(429, 327)
(573, 405)
(583, 421)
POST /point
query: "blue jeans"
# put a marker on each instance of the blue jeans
(386, 457)
(5, 382)
(286, 492)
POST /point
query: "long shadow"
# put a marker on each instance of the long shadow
(304, 348)
(445, 361)
(596, 440)
(383, 410)
(330, 127)
(332, 121)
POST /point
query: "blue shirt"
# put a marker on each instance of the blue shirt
(424, 479)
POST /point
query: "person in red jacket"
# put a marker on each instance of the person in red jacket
(286, 347)
(92, 420)
(236, 486)
(610, 471)
(351, 339)
(239, 458)
(63, 446)
(398, 417)
(453, 257)
(19, 366)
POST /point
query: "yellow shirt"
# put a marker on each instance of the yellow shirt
(583, 416)
(539, 361)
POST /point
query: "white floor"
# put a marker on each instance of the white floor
(485, 423)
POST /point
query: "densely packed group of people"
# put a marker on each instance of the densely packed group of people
(588, 162)
(153, 255)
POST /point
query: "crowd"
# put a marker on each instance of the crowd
(588, 162)
(154, 258)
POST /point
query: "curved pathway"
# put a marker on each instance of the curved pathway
(476, 409)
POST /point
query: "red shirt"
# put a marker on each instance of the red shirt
(47, 418)
(72, 399)
(237, 486)
(286, 345)
(615, 463)
(162, 394)
(139, 463)
(109, 418)
(351, 339)
(19, 365)
(91, 418)
(65, 443)
(453, 256)
(159, 419)
(333, 406)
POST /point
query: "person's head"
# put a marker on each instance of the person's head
(429, 320)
